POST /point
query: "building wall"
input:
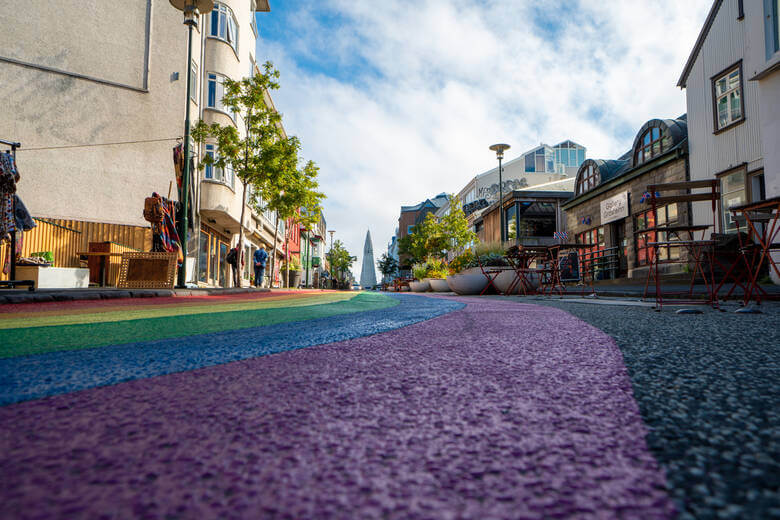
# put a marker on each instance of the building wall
(712, 153)
(673, 171)
(54, 115)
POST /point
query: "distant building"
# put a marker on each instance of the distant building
(539, 165)
(368, 271)
(413, 215)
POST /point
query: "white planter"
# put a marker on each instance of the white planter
(439, 285)
(419, 286)
(507, 278)
(467, 282)
(54, 277)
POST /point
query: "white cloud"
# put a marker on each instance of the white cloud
(421, 88)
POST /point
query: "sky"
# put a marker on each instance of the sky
(398, 101)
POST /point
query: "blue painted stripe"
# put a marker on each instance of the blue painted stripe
(33, 377)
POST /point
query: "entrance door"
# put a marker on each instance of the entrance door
(620, 241)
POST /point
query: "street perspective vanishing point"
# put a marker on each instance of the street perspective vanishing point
(572, 312)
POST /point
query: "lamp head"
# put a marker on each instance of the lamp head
(191, 9)
(499, 149)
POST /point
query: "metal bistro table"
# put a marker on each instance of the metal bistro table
(103, 255)
(560, 274)
(697, 251)
(520, 259)
(762, 220)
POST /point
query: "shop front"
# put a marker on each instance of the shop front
(610, 213)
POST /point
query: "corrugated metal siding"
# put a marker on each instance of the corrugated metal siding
(65, 238)
(711, 153)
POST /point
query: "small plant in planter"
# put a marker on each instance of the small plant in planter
(420, 271)
(463, 261)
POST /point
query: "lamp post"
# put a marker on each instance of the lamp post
(499, 149)
(330, 259)
(191, 9)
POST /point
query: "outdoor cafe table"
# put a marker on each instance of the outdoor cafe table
(521, 264)
(556, 282)
(761, 240)
(696, 250)
(103, 256)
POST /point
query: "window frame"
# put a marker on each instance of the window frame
(223, 11)
(194, 82)
(650, 147)
(218, 105)
(585, 183)
(642, 237)
(215, 174)
(725, 214)
(713, 81)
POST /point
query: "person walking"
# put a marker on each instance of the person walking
(260, 258)
(232, 259)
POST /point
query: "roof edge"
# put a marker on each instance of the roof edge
(699, 42)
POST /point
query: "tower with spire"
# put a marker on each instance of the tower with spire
(368, 272)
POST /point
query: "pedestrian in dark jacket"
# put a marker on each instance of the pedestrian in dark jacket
(260, 259)
(232, 259)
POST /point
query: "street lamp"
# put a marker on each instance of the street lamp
(330, 260)
(191, 9)
(499, 149)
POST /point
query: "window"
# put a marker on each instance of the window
(589, 179)
(732, 188)
(727, 97)
(772, 27)
(529, 163)
(194, 82)
(667, 215)
(652, 144)
(409, 230)
(224, 26)
(594, 237)
(215, 173)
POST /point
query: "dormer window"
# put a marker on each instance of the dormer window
(589, 179)
(651, 144)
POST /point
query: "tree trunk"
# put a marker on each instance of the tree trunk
(241, 237)
(273, 258)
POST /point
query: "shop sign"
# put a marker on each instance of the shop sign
(614, 208)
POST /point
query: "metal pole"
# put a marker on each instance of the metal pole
(501, 200)
(185, 185)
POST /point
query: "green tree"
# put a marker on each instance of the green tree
(292, 192)
(257, 155)
(455, 230)
(388, 265)
(340, 261)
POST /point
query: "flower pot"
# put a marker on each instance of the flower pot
(507, 278)
(467, 282)
(294, 280)
(419, 286)
(439, 285)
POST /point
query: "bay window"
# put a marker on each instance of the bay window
(224, 26)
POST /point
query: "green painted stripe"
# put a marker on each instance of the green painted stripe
(100, 316)
(38, 340)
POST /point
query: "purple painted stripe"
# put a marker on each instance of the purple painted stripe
(499, 410)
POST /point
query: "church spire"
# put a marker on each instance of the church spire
(368, 272)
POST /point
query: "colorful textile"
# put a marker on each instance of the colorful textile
(165, 237)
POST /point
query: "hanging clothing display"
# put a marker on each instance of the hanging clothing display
(165, 238)
(178, 167)
(13, 213)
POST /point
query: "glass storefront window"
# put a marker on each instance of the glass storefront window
(732, 189)
(203, 258)
(223, 270)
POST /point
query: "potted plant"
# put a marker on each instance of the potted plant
(420, 273)
(437, 275)
(467, 277)
(294, 266)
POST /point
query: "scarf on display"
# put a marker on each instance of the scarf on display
(165, 238)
